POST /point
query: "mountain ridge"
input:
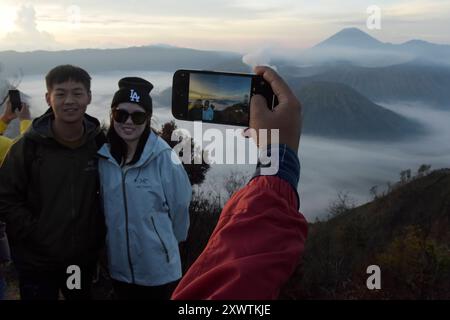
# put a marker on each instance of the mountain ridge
(414, 81)
(359, 47)
(404, 232)
(154, 58)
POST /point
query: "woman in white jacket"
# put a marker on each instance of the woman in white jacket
(146, 194)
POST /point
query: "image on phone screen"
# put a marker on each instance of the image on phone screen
(219, 98)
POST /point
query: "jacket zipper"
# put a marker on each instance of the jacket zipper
(126, 225)
(126, 217)
(160, 239)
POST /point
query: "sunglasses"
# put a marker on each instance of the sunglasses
(121, 116)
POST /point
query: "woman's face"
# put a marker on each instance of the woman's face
(129, 131)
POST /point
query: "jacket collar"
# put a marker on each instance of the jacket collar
(153, 147)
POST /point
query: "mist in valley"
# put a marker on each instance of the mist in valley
(328, 166)
(333, 166)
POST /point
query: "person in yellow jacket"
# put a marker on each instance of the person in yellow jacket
(7, 116)
(5, 143)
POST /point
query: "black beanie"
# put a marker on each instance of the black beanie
(134, 90)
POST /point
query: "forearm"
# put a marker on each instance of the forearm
(256, 245)
(287, 165)
(24, 125)
(254, 249)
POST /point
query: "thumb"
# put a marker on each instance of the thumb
(259, 112)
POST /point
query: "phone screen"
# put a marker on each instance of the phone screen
(219, 98)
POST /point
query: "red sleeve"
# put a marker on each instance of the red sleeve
(254, 249)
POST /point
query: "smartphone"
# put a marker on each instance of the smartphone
(14, 97)
(217, 97)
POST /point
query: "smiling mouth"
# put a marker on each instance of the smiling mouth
(71, 110)
(128, 130)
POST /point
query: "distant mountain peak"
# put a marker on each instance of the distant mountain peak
(352, 30)
(336, 110)
(421, 45)
(350, 37)
(417, 41)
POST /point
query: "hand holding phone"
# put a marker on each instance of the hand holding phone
(217, 97)
(286, 117)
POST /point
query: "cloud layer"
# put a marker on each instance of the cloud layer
(26, 36)
(240, 26)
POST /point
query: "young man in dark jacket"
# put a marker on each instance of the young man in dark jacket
(49, 193)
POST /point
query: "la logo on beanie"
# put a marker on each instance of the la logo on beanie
(134, 90)
(134, 97)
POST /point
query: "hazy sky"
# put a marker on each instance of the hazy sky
(207, 86)
(236, 25)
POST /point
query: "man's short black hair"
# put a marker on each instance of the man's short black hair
(65, 73)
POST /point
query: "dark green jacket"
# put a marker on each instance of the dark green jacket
(49, 198)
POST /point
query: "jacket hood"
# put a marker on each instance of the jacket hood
(153, 147)
(40, 129)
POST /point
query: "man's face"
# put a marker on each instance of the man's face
(69, 101)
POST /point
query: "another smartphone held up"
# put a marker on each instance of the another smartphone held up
(14, 98)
